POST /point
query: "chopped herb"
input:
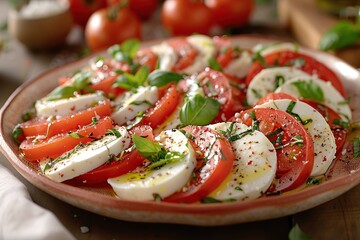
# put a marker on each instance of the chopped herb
(64, 156)
(257, 57)
(75, 135)
(28, 114)
(297, 140)
(356, 143)
(310, 90)
(279, 80)
(289, 110)
(341, 123)
(312, 181)
(256, 93)
(142, 102)
(113, 132)
(238, 188)
(157, 197)
(16, 133)
(236, 137)
(214, 200)
(255, 123)
(344, 102)
(94, 120)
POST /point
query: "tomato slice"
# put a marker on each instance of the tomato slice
(164, 107)
(146, 57)
(186, 53)
(211, 170)
(225, 50)
(306, 63)
(128, 162)
(275, 96)
(39, 149)
(295, 159)
(216, 85)
(48, 128)
(334, 121)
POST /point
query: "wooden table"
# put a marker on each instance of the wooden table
(336, 219)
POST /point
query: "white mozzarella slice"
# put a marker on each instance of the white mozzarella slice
(240, 66)
(166, 55)
(130, 104)
(319, 129)
(206, 50)
(332, 97)
(276, 47)
(85, 158)
(68, 106)
(254, 165)
(162, 181)
(266, 81)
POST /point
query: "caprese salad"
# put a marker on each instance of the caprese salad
(192, 119)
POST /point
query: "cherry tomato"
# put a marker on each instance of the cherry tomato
(42, 126)
(186, 53)
(307, 64)
(128, 162)
(81, 10)
(185, 17)
(211, 170)
(295, 161)
(230, 13)
(144, 9)
(38, 149)
(164, 107)
(106, 28)
(333, 119)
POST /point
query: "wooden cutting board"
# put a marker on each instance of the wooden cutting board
(308, 24)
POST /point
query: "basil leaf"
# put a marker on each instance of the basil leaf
(342, 35)
(161, 78)
(146, 147)
(309, 90)
(16, 133)
(61, 92)
(199, 110)
(131, 47)
(81, 80)
(142, 75)
(214, 64)
(297, 234)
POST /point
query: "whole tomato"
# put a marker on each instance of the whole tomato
(231, 13)
(81, 10)
(184, 17)
(144, 9)
(110, 26)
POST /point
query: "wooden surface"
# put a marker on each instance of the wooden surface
(337, 219)
(308, 24)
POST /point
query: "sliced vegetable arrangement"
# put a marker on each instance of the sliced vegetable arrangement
(191, 119)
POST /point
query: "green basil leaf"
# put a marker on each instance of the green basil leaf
(142, 75)
(160, 78)
(214, 64)
(113, 132)
(75, 135)
(131, 47)
(297, 234)
(309, 90)
(342, 35)
(81, 80)
(123, 57)
(16, 133)
(146, 147)
(199, 110)
(61, 92)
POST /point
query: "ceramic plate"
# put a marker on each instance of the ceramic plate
(344, 175)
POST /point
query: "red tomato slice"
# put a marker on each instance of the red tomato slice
(146, 57)
(295, 161)
(331, 117)
(275, 96)
(216, 85)
(225, 50)
(128, 162)
(37, 150)
(308, 65)
(48, 128)
(186, 53)
(164, 107)
(211, 170)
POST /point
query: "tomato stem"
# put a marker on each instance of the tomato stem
(114, 10)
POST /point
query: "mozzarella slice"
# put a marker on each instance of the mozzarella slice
(332, 98)
(254, 166)
(68, 106)
(206, 50)
(240, 66)
(130, 104)
(319, 129)
(163, 181)
(267, 80)
(85, 158)
(166, 55)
